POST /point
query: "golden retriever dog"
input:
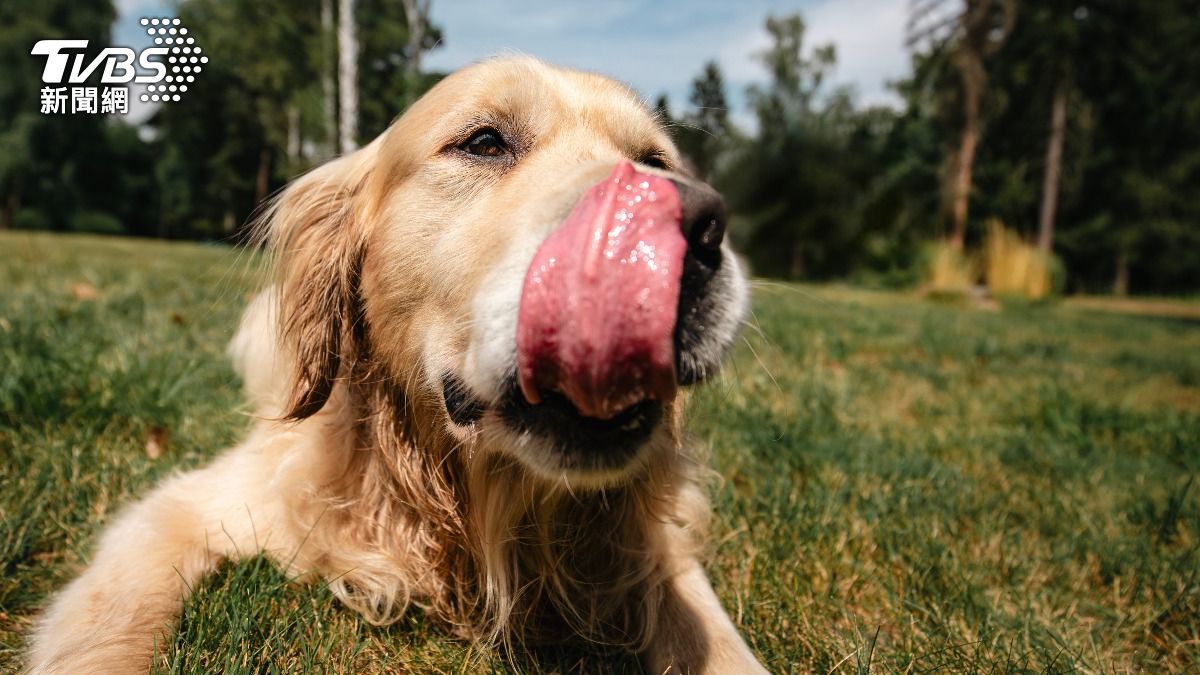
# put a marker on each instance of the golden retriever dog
(467, 380)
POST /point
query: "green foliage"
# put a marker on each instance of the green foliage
(1131, 159)
(31, 219)
(704, 134)
(95, 222)
(811, 193)
(385, 89)
(904, 486)
(792, 185)
(214, 166)
(1143, 169)
(56, 164)
(820, 186)
(213, 158)
(826, 189)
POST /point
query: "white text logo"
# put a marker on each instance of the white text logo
(167, 69)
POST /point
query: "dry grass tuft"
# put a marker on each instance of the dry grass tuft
(1013, 266)
(950, 271)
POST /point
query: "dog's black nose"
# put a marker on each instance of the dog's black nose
(703, 215)
(703, 220)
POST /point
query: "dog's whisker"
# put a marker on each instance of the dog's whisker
(763, 365)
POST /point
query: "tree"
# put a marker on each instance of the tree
(246, 121)
(269, 108)
(1135, 224)
(662, 110)
(389, 80)
(1053, 170)
(416, 14)
(1034, 71)
(1095, 161)
(326, 66)
(964, 38)
(797, 189)
(51, 166)
(347, 77)
(1034, 112)
(703, 133)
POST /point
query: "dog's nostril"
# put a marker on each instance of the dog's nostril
(708, 231)
(703, 216)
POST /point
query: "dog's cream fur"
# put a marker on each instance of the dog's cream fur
(396, 264)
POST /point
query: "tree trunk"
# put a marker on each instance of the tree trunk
(980, 37)
(416, 12)
(9, 215)
(262, 181)
(1121, 279)
(293, 133)
(347, 77)
(328, 63)
(1053, 174)
(796, 265)
(972, 74)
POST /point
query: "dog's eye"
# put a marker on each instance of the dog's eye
(655, 159)
(485, 143)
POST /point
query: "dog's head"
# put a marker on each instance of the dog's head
(523, 256)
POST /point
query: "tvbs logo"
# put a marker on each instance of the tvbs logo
(117, 61)
(166, 68)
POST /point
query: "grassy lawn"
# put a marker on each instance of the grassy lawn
(908, 486)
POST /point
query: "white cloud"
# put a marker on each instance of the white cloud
(869, 36)
(869, 40)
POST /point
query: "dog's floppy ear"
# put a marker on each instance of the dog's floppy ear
(317, 233)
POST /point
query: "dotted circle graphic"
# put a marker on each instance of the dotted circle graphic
(183, 62)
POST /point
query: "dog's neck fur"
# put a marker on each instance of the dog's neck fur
(483, 544)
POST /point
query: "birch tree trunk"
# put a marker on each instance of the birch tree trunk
(347, 77)
(328, 64)
(1053, 175)
(417, 14)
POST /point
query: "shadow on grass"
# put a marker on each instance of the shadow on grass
(249, 618)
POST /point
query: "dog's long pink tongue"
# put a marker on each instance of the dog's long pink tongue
(598, 307)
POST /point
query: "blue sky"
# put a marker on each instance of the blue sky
(654, 46)
(659, 47)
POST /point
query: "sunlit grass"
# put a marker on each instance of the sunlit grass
(907, 486)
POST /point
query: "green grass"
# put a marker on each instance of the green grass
(908, 486)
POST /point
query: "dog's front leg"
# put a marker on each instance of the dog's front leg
(694, 635)
(112, 618)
